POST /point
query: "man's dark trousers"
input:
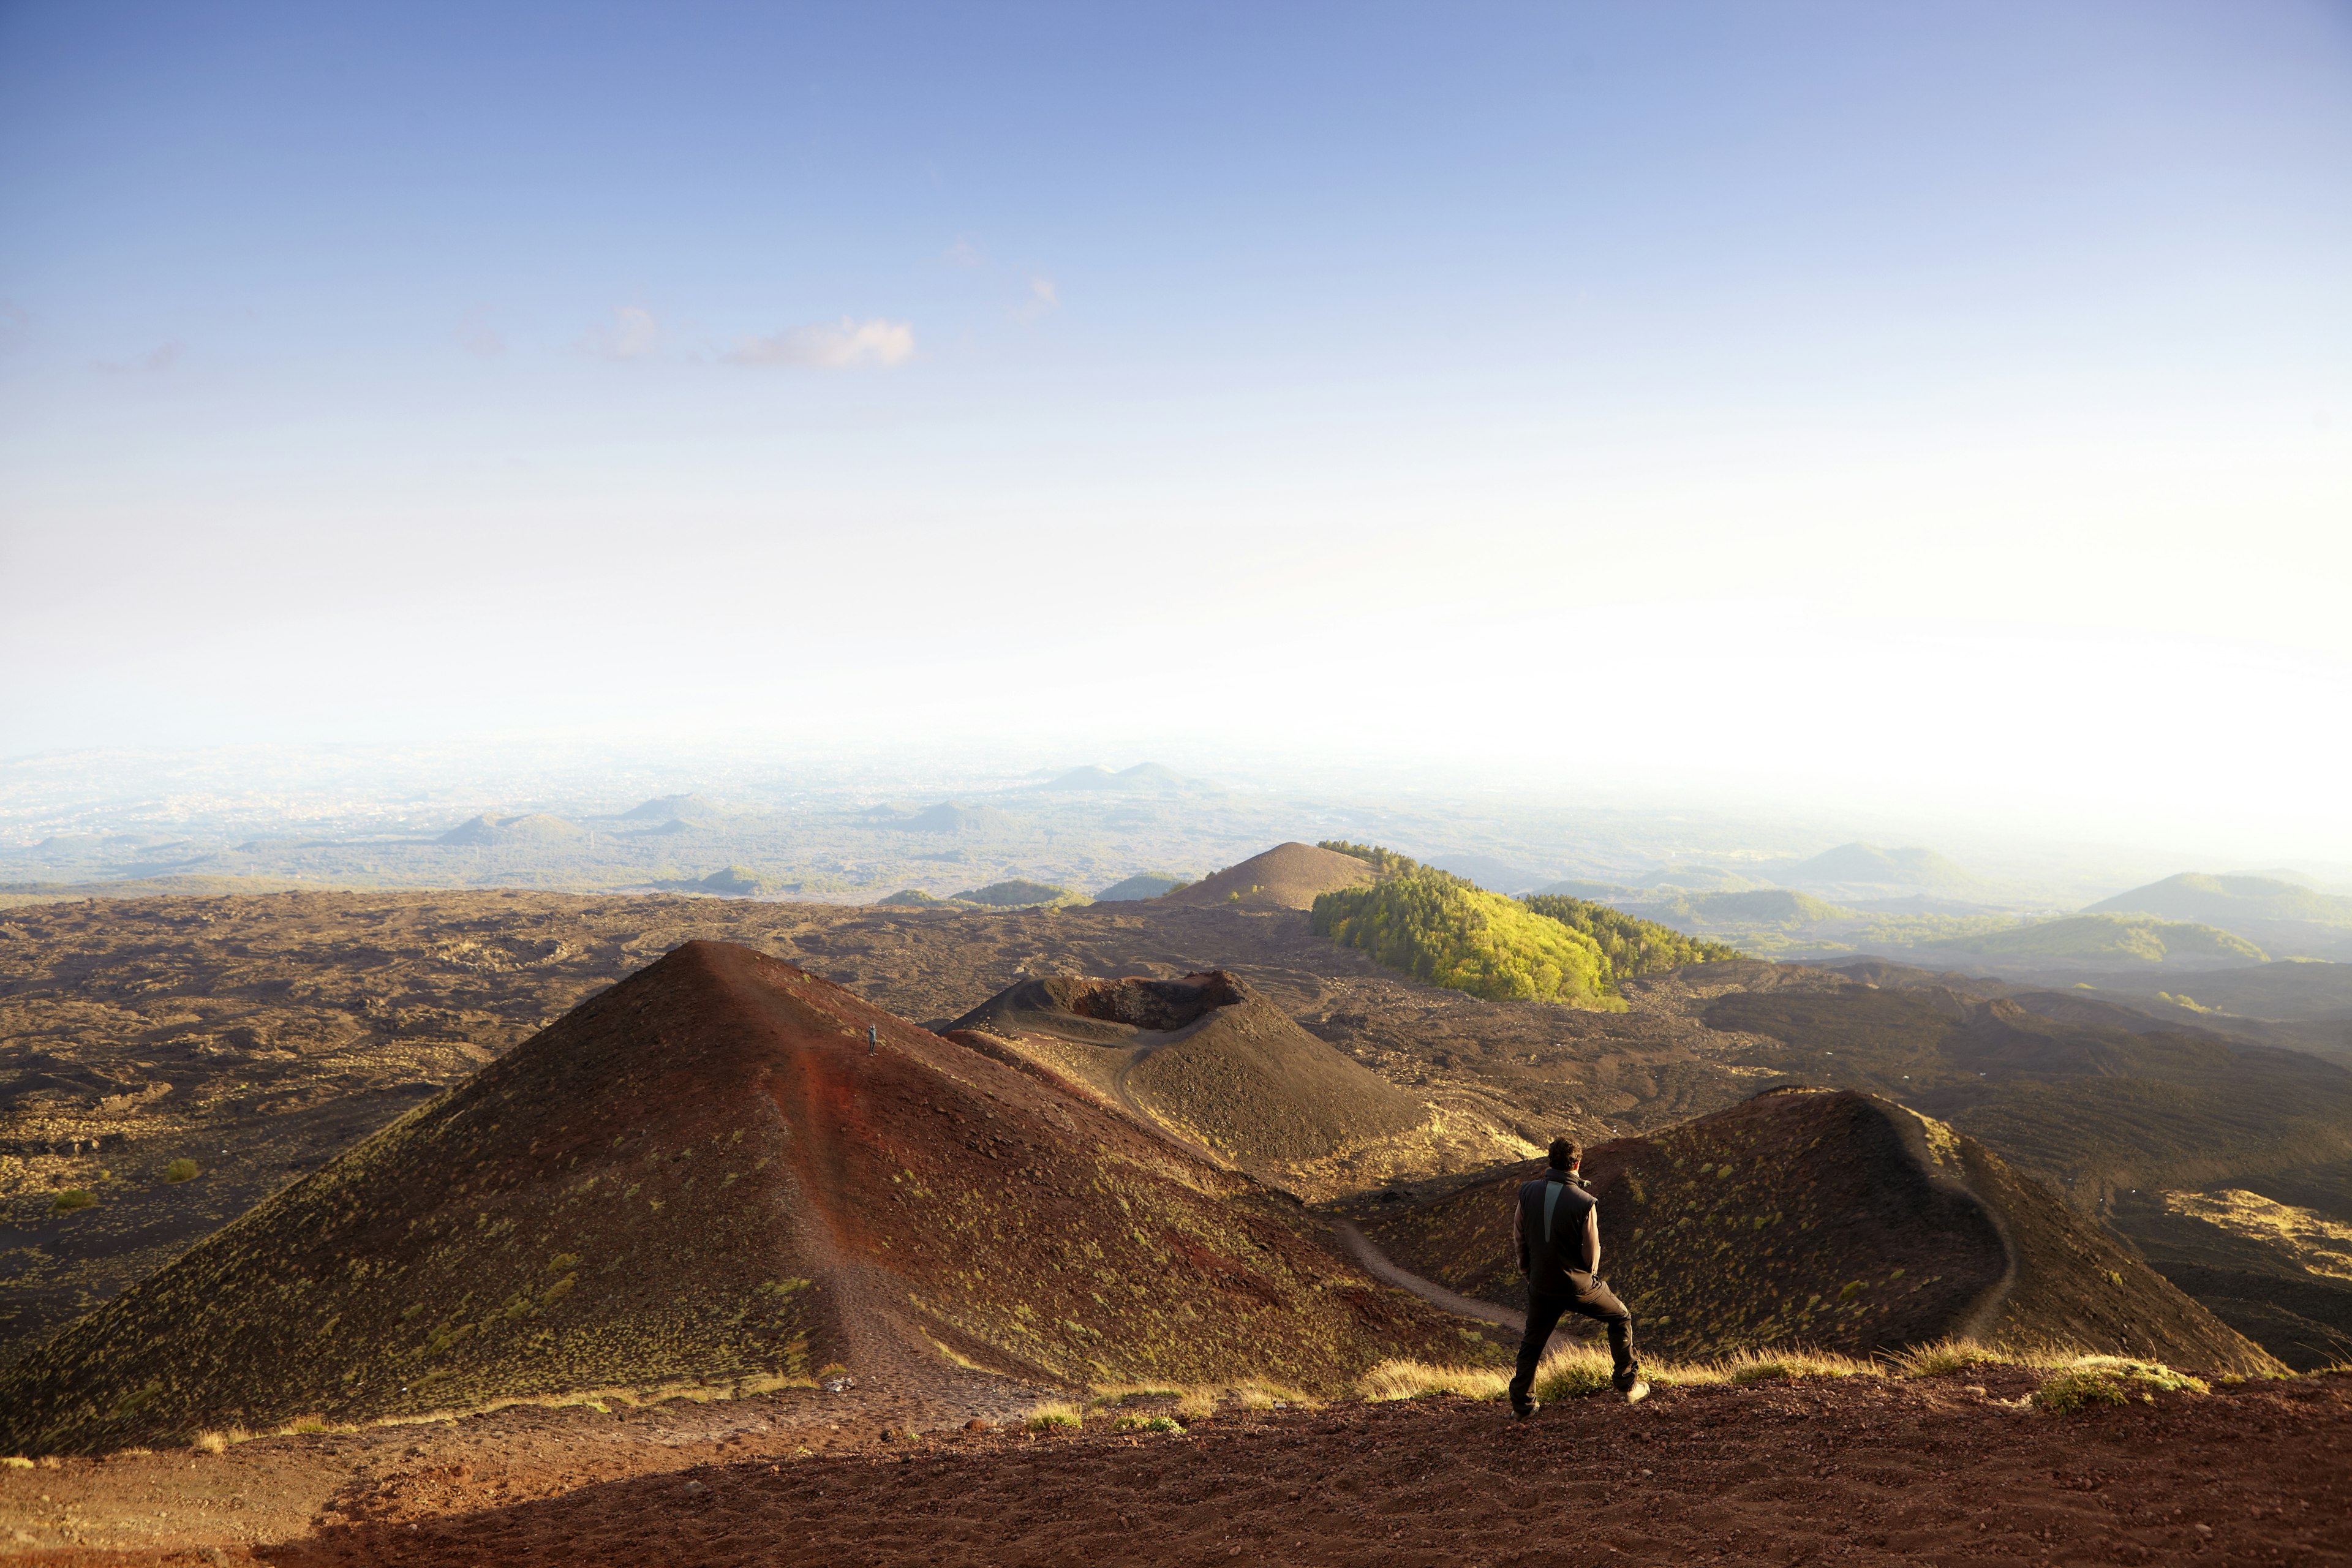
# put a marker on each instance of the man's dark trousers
(1588, 1297)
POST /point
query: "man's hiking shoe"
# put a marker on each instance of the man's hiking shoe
(1638, 1393)
(1521, 1412)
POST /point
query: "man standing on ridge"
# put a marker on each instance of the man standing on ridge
(1556, 1224)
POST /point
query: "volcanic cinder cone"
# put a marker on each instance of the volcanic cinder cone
(708, 1173)
(1207, 1061)
(1831, 1220)
(1287, 877)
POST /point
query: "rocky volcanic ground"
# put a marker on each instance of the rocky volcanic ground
(259, 1036)
(1944, 1469)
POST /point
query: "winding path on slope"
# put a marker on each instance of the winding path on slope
(1144, 1045)
(1375, 1262)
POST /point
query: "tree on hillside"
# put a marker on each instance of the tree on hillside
(1635, 946)
(1387, 862)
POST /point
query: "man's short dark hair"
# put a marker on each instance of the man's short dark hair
(1564, 1153)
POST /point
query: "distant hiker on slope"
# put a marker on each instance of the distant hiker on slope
(1556, 1224)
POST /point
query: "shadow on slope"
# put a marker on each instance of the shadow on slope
(2098, 1098)
(1828, 1219)
(2278, 1273)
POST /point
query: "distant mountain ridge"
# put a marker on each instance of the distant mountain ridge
(690, 809)
(1144, 778)
(2217, 901)
(954, 816)
(2285, 918)
(1867, 864)
(2111, 938)
(532, 827)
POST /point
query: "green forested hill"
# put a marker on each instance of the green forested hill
(1634, 945)
(1546, 947)
(1437, 927)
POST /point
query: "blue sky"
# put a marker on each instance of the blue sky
(1370, 377)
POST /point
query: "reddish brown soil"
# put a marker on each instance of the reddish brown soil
(1927, 1472)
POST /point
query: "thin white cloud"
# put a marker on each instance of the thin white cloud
(839, 345)
(962, 253)
(1045, 295)
(632, 333)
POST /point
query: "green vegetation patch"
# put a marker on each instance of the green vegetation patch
(1448, 931)
(1633, 945)
(2111, 1380)
(72, 1198)
(1148, 1424)
(1440, 927)
(181, 1170)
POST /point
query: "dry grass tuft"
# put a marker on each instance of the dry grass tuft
(2111, 1380)
(1580, 1372)
(210, 1443)
(1256, 1393)
(1577, 1373)
(1394, 1380)
(1759, 1366)
(1945, 1356)
(1052, 1417)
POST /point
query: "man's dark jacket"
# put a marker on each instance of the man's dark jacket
(1557, 1227)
